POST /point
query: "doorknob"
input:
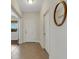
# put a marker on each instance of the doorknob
(44, 33)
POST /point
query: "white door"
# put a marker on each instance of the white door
(30, 28)
(46, 31)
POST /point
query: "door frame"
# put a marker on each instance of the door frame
(44, 26)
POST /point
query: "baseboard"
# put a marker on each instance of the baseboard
(14, 41)
(31, 42)
(46, 52)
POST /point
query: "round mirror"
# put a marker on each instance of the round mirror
(60, 13)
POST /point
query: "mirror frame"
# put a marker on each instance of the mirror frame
(65, 13)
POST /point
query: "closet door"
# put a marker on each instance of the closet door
(46, 31)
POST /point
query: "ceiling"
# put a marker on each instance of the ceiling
(35, 7)
(13, 15)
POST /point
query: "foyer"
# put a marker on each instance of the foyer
(34, 34)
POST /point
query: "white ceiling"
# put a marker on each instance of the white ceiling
(25, 7)
(13, 14)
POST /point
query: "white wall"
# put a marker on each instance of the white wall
(15, 5)
(58, 35)
(31, 27)
(20, 29)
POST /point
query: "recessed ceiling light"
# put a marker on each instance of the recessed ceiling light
(30, 1)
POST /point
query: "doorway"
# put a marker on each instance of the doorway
(46, 30)
(14, 27)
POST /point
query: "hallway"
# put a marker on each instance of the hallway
(29, 51)
(43, 22)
